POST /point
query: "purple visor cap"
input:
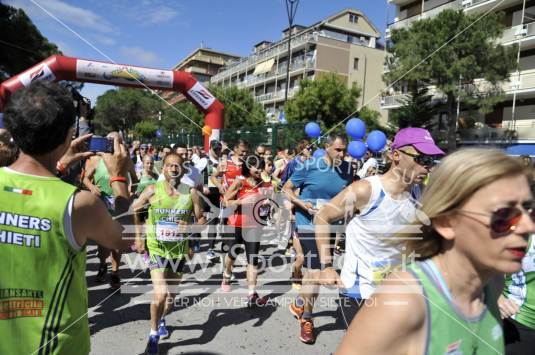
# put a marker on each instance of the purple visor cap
(419, 138)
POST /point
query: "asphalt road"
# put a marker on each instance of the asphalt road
(206, 320)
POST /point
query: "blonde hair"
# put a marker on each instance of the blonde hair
(452, 183)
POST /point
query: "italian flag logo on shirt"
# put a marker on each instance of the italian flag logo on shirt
(17, 190)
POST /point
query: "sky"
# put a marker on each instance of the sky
(160, 33)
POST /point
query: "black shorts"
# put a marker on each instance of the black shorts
(310, 249)
(250, 238)
(348, 308)
(519, 339)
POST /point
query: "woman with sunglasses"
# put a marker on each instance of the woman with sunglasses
(476, 217)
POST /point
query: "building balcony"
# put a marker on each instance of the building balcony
(505, 136)
(431, 8)
(276, 95)
(524, 35)
(523, 84)
(481, 6)
(273, 51)
(280, 73)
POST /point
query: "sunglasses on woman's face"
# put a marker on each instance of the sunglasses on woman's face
(421, 159)
(504, 220)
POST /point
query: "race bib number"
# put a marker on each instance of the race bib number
(168, 232)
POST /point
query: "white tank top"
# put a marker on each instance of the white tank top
(370, 253)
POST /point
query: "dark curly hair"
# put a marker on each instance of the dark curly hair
(39, 117)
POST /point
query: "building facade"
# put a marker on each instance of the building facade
(517, 113)
(345, 43)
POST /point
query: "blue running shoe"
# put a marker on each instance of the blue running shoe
(152, 345)
(162, 330)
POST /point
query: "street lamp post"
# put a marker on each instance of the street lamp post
(291, 9)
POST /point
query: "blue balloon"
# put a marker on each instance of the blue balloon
(318, 153)
(312, 129)
(356, 149)
(158, 133)
(376, 141)
(356, 128)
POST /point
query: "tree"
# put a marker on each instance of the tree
(146, 129)
(418, 109)
(326, 100)
(123, 108)
(21, 43)
(240, 111)
(456, 67)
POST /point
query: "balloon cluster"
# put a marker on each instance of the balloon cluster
(356, 129)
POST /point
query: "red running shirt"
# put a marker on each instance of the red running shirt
(251, 215)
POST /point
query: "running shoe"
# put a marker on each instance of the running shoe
(115, 281)
(162, 330)
(152, 345)
(307, 331)
(197, 247)
(210, 255)
(101, 275)
(295, 310)
(225, 284)
(255, 300)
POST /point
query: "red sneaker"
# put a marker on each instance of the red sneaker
(295, 310)
(307, 331)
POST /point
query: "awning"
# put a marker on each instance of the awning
(264, 67)
(521, 149)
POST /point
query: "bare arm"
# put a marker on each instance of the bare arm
(90, 168)
(137, 207)
(91, 220)
(288, 190)
(229, 199)
(349, 200)
(397, 319)
(214, 179)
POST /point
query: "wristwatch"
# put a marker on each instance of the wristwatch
(325, 266)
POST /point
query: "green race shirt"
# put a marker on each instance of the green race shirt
(102, 178)
(448, 330)
(145, 181)
(163, 235)
(43, 292)
(520, 287)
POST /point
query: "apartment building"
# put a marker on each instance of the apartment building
(518, 111)
(202, 63)
(345, 43)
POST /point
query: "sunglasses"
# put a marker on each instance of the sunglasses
(421, 159)
(504, 220)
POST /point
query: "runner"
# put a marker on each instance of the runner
(245, 194)
(223, 177)
(517, 306)
(481, 214)
(97, 180)
(148, 176)
(385, 204)
(318, 180)
(172, 207)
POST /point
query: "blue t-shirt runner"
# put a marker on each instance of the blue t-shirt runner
(318, 183)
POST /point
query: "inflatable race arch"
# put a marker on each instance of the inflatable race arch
(56, 68)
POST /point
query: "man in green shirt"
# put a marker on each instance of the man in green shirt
(169, 229)
(45, 224)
